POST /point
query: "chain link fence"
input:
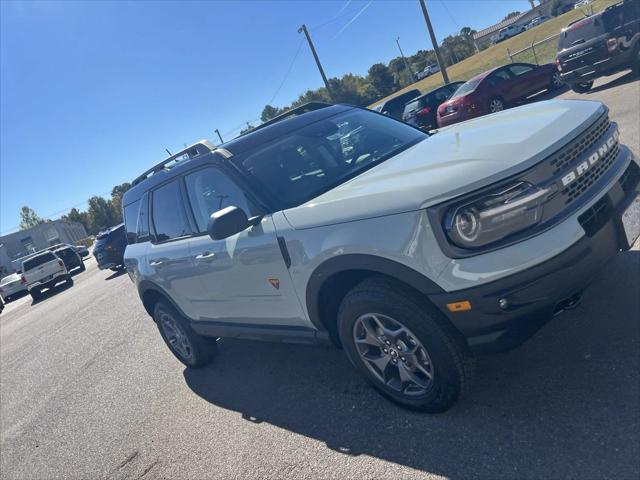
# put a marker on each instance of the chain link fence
(539, 53)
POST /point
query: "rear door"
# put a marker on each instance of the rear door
(527, 80)
(243, 279)
(501, 84)
(168, 257)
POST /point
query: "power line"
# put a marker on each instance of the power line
(337, 17)
(449, 14)
(286, 75)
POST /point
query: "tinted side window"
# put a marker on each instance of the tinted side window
(498, 77)
(210, 190)
(167, 210)
(131, 220)
(143, 220)
(520, 69)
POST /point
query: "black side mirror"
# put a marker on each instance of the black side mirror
(229, 221)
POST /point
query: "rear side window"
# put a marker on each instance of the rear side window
(520, 69)
(34, 262)
(131, 221)
(65, 254)
(465, 88)
(210, 190)
(143, 220)
(167, 211)
(496, 78)
(412, 106)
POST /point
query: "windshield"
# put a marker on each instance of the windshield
(465, 88)
(34, 262)
(307, 162)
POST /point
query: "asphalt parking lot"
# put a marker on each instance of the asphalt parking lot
(89, 390)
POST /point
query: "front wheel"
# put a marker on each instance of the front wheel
(402, 346)
(496, 105)
(583, 87)
(190, 348)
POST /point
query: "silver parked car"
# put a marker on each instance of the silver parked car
(411, 252)
(12, 286)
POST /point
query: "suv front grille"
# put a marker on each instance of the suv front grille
(582, 184)
(569, 154)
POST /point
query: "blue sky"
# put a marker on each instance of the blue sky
(91, 93)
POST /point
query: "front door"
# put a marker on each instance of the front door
(243, 279)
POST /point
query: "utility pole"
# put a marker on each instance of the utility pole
(303, 29)
(434, 42)
(219, 136)
(406, 64)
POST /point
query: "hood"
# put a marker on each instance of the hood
(456, 160)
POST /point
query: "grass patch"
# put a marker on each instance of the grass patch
(496, 55)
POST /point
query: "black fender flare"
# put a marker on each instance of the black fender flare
(146, 286)
(362, 262)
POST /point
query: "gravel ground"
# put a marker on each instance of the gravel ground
(88, 390)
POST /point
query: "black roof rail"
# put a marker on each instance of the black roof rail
(307, 107)
(192, 151)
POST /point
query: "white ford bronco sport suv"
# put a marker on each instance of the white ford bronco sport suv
(411, 252)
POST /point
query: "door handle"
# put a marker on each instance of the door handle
(206, 256)
(157, 262)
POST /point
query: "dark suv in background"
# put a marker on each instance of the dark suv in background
(109, 248)
(394, 107)
(422, 111)
(70, 257)
(600, 45)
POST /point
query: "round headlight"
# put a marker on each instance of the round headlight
(467, 225)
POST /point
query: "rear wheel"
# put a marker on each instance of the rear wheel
(190, 348)
(68, 281)
(82, 266)
(583, 87)
(402, 347)
(496, 104)
(556, 81)
(36, 294)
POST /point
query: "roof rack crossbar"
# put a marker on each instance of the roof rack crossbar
(199, 148)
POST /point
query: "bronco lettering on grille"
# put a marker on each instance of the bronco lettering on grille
(592, 160)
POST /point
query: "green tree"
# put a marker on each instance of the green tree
(101, 214)
(76, 215)
(269, 112)
(29, 218)
(382, 79)
(511, 15)
(116, 197)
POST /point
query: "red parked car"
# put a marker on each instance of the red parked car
(497, 89)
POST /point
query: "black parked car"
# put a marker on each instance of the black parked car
(109, 248)
(422, 111)
(70, 257)
(395, 106)
(600, 45)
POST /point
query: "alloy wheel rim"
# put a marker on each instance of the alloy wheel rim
(176, 337)
(496, 106)
(557, 81)
(393, 354)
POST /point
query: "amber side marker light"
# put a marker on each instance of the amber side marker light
(459, 306)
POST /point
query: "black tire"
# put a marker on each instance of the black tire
(583, 87)
(68, 281)
(635, 66)
(201, 349)
(556, 82)
(36, 294)
(82, 267)
(493, 105)
(452, 365)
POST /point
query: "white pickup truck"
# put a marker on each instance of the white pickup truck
(42, 271)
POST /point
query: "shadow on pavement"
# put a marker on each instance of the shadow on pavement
(623, 80)
(116, 274)
(565, 404)
(61, 287)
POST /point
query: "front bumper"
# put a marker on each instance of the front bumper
(535, 295)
